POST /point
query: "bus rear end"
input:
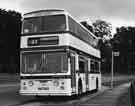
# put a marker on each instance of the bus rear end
(45, 73)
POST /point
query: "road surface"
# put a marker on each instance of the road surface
(9, 96)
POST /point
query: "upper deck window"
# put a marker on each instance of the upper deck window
(50, 23)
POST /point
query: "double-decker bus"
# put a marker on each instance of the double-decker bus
(58, 57)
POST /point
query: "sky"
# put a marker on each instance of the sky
(117, 12)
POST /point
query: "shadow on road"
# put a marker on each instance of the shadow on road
(56, 99)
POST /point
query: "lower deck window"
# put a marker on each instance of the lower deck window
(81, 66)
(94, 66)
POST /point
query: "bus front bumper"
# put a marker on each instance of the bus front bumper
(46, 94)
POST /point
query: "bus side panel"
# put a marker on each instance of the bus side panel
(83, 79)
(92, 81)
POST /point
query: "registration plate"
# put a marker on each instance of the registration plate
(43, 88)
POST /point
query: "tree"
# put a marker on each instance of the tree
(10, 30)
(102, 29)
(124, 42)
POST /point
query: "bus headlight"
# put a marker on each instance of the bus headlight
(62, 83)
(62, 87)
(56, 83)
(24, 83)
(30, 83)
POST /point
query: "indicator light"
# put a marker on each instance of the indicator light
(56, 83)
(30, 83)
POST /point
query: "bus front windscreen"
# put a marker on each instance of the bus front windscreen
(43, 24)
(33, 63)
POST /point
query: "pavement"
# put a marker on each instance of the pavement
(110, 97)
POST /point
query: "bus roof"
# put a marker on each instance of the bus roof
(45, 12)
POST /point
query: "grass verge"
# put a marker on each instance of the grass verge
(118, 79)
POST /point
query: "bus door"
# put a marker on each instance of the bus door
(86, 75)
(73, 74)
(83, 70)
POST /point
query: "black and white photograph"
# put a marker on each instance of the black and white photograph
(67, 53)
